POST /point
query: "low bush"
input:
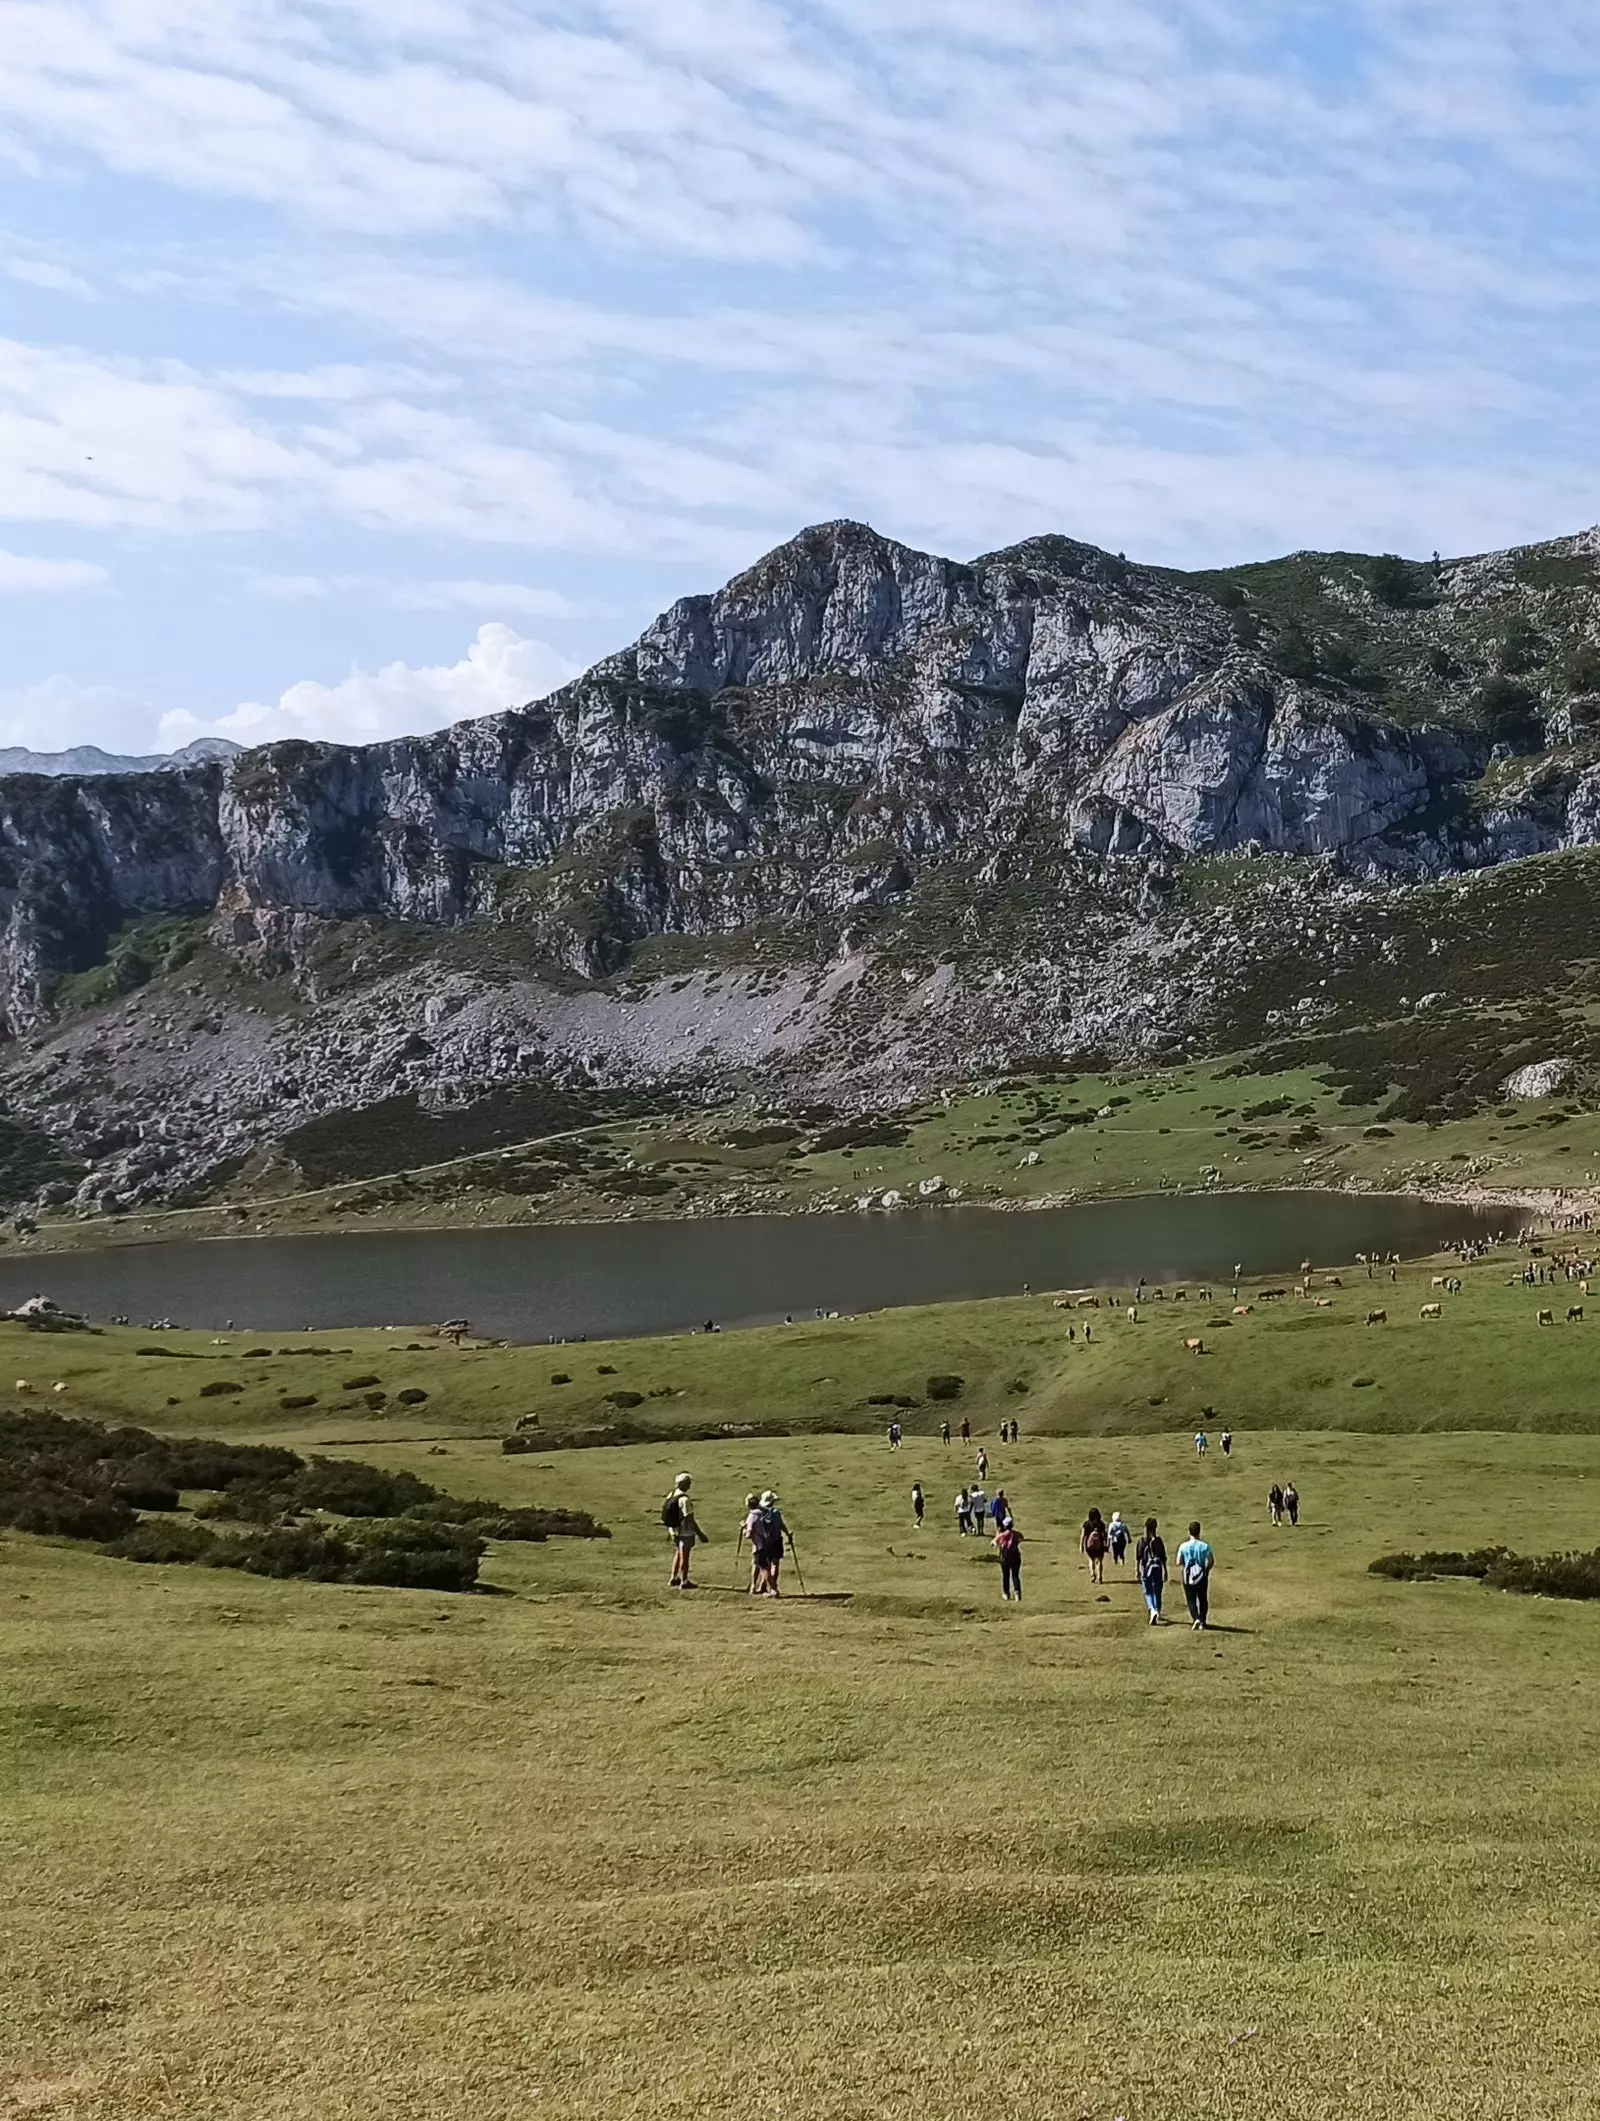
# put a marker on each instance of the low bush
(293, 1402)
(411, 1556)
(181, 1541)
(624, 1399)
(413, 1396)
(360, 1384)
(220, 1388)
(1532, 1575)
(55, 1511)
(946, 1387)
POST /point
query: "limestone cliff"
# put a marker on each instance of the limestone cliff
(850, 728)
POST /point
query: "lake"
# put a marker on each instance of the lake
(613, 1279)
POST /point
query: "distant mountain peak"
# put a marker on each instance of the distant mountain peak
(87, 760)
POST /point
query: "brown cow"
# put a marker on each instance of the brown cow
(1574, 1311)
(1377, 1318)
(1195, 1347)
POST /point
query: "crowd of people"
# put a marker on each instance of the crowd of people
(980, 1515)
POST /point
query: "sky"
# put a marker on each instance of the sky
(367, 364)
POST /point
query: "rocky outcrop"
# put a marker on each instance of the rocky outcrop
(848, 727)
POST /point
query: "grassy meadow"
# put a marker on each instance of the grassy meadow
(303, 1853)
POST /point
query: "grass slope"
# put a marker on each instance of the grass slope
(1288, 1364)
(300, 1853)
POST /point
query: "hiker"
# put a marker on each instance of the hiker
(1008, 1545)
(677, 1514)
(1227, 1443)
(983, 1463)
(1275, 1503)
(963, 1512)
(1117, 1535)
(1092, 1542)
(918, 1506)
(771, 1534)
(750, 1531)
(1151, 1562)
(1195, 1563)
(1201, 1444)
(895, 1433)
(1000, 1509)
(966, 1430)
(980, 1510)
(944, 1434)
(1291, 1502)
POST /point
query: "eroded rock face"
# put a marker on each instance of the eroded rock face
(805, 744)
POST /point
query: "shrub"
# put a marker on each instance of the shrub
(945, 1386)
(359, 1384)
(146, 1495)
(1580, 667)
(314, 1551)
(292, 1402)
(412, 1396)
(560, 1377)
(375, 1401)
(1391, 579)
(409, 1555)
(624, 1399)
(220, 1388)
(180, 1542)
(1521, 648)
(1508, 713)
(55, 1511)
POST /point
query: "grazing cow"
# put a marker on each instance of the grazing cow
(24, 1385)
(58, 1386)
(1377, 1318)
(1243, 1310)
(1180, 1296)
(1324, 1303)
(1332, 1281)
(1453, 1284)
(1061, 1303)
(1271, 1295)
(1440, 1281)
(1547, 1318)
(1133, 1314)
(1195, 1347)
(1088, 1303)
(1574, 1312)
(1431, 1311)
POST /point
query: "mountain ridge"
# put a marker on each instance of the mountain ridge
(888, 794)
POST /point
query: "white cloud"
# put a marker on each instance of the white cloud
(57, 712)
(43, 272)
(23, 575)
(500, 669)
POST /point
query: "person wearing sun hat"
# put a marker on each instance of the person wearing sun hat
(772, 1534)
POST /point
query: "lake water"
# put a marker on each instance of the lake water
(662, 1277)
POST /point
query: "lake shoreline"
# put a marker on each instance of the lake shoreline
(105, 1235)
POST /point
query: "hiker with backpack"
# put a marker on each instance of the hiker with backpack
(771, 1533)
(963, 1512)
(1195, 1563)
(1092, 1542)
(1150, 1560)
(1008, 1545)
(1117, 1536)
(895, 1434)
(677, 1514)
(980, 1509)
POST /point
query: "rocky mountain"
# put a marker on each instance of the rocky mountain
(90, 759)
(862, 818)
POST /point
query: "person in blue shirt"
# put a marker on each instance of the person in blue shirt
(1195, 1563)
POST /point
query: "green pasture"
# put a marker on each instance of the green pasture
(303, 1853)
(1288, 1362)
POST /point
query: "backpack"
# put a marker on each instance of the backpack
(1194, 1572)
(672, 1511)
(1094, 1541)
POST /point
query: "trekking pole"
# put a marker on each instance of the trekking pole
(799, 1576)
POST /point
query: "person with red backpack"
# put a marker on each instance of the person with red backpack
(1093, 1544)
(1008, 1545)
